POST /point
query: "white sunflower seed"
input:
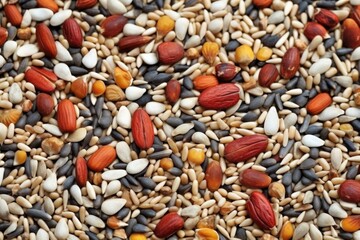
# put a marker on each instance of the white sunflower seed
(137, 165)
(113, 205)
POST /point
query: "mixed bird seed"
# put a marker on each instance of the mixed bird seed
(191, 119)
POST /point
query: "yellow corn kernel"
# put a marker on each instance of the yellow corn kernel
(346, 127)
(244, 55)
(122, 78)
(351, 223)
(164, 25)
(264, 54)
(207, 234)
(166, 163)
(20, 157)
(137, 236)
(210, 50)
(196, 156)
(98, 88)
(287, 231)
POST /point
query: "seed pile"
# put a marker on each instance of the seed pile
(131, 119)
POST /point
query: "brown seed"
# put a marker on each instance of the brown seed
(3, 35)
(81, 171)
(351, 33)
(46, 40)
(355, 14)
(245, 148)
(254, 179)
(290, 63)
(170, 52)
(326, 18)
(102, 158)
(130, 42)
(113, 25)
(44, 103)
(260, 211)
(72, 33)
(172, 91)
(262, 3)
(313, 29)
(225, 72)
(319, 103)
(66, 116)
(203, 82)
(42, 79)
(219, 97)
(13, 14)
(168, 225)
(349, 191)
(79, 88)
(213, 176)
(268, 75)
(142, 129)
(83, 4)
(50, 4)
